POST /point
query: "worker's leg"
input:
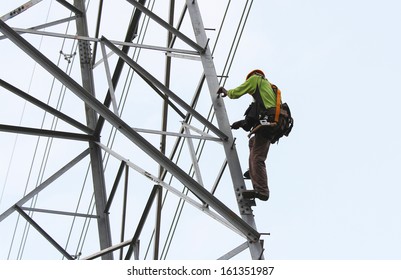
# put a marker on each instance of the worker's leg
(258, 149)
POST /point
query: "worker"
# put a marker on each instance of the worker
(264, 97)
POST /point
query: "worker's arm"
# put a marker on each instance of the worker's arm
(248, 86)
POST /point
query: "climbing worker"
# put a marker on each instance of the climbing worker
(260, 118)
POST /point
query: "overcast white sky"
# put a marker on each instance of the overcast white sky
(334, 182)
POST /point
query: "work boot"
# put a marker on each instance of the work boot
(251, 194)
(247, 175)
(261, 196)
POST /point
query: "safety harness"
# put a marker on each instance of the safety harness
(273, 123)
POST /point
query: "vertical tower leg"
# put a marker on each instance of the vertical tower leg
(99, 184)
(256, 249)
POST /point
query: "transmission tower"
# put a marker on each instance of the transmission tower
(124, 149)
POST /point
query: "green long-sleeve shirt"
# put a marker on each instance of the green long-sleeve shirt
(249, 86)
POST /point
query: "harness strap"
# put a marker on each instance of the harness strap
(276, 111)
(273, 110)
(278, 102)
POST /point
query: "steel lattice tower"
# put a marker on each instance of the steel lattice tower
(132, 128)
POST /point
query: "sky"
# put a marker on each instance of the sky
(334, 182)
(334, 185)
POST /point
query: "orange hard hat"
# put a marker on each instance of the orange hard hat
(256, 71)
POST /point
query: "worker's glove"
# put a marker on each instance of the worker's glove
(238, 124)
(222, 91)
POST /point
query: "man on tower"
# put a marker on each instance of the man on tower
(264, 123)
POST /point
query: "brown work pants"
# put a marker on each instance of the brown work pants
(258, 149)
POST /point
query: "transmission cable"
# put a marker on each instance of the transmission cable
(44, 160)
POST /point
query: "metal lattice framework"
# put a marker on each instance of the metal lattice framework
(105, 164)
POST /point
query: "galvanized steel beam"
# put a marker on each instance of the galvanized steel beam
(133, 136)
(43, 232)
(166, 25)
(148, 77)
(45, 184)
(99, 184)
(222, 120)
(46, 133)
(45, 107)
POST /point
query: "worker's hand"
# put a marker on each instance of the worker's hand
(237, 124)
(222, 91)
